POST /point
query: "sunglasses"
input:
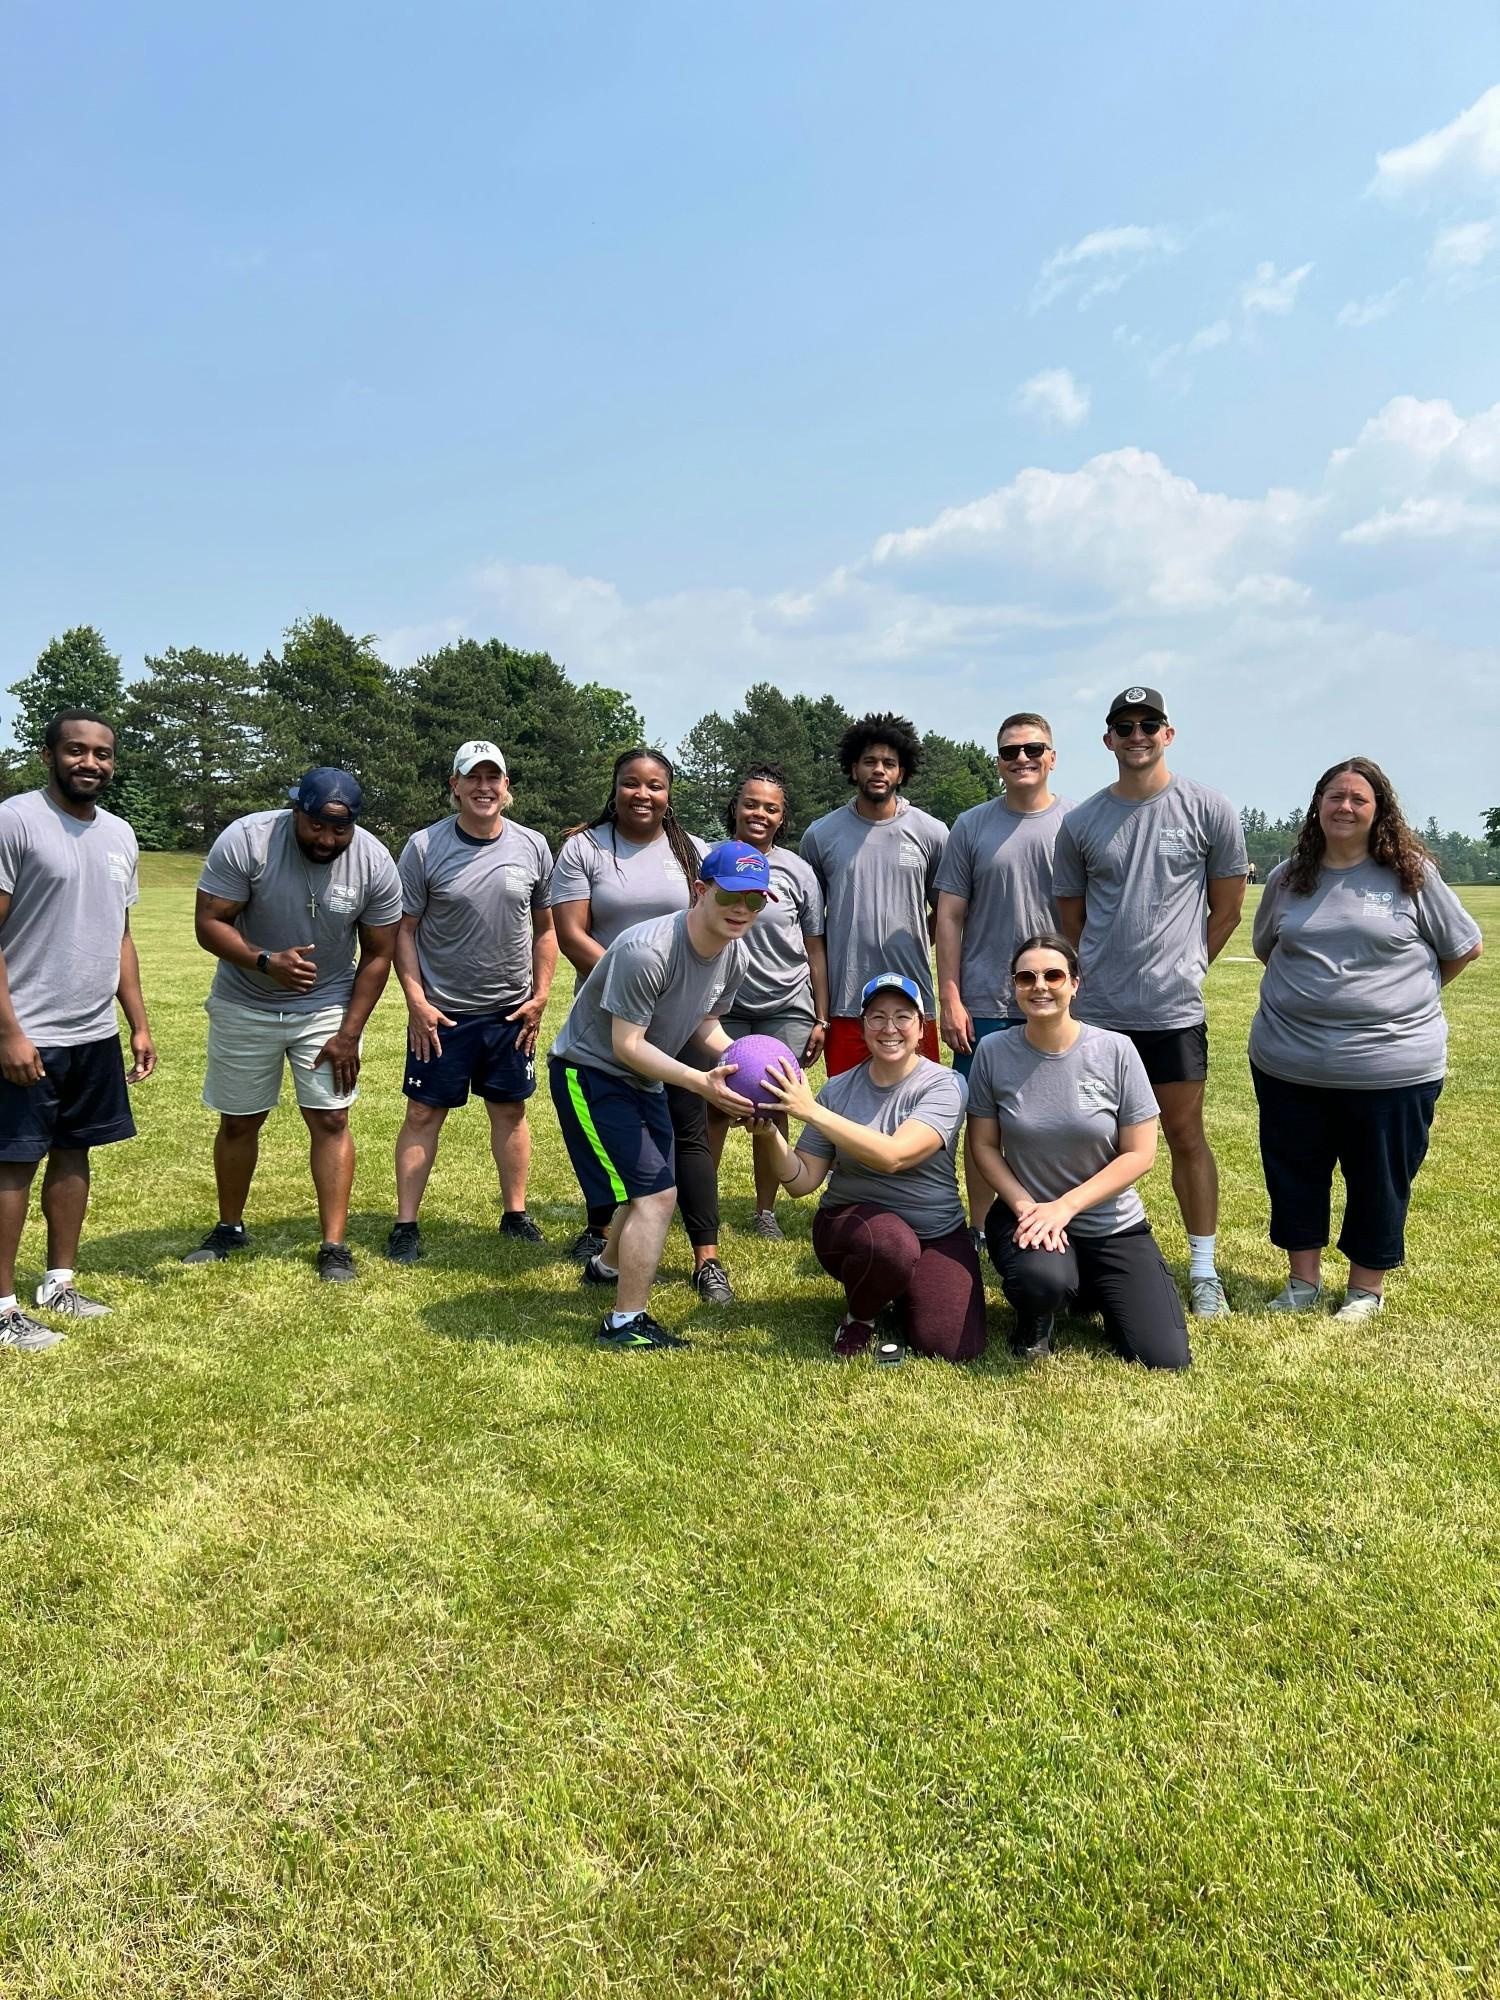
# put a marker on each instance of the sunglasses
(1151, 727)
(1009, 752)
(753, 899)
(1054, 975)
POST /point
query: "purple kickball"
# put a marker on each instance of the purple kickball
(752, 1056)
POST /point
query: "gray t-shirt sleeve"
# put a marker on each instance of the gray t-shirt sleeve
(412, 868)
(811, 912)
(1226, 843)
(633, 979)
(541, 894)
(383, 901)
(1068, 876)
(1442, 918)
(13, 845)
(955, 875)
(228, 867)
(1268, 916)
(573, 871)
(1138, 1105)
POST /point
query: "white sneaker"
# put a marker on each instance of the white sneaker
(1299, 1297)
(1209, 1299)
(68, 1302)
(1360, 1305)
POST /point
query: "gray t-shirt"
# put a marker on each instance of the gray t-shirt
(926, 1196)
(473, 900)
(1000, 861)
(1144, 866)
(624, 882)
(70, 882)
(777, 979)
(1060, 1116)
(877, 876)
(1350, 993)
(652, 976)
(256, 861)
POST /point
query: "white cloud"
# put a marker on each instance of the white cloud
(1458, 159)
(1103, 262)
(1202, 342)
(1378, 306)
(1270, 292)
(1055, 398)
(1419, 473)
(1462, 246)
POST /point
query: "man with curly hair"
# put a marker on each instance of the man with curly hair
(876, 860)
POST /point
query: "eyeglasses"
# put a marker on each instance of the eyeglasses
(902, 1021)
(1053, 975)
(1009, 752)
(753, 899)
(1152, 726)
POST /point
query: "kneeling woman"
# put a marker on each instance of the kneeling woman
(891, 1227)
(1063, 1123)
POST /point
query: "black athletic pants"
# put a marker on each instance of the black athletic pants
(697, 1176)
(1123, 1277)
(1376, 1138)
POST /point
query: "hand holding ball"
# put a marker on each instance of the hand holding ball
(752, 1056)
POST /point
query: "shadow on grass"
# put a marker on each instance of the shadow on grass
(294, 1238)
(486, 1314)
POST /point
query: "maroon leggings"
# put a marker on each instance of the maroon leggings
(879, 1259)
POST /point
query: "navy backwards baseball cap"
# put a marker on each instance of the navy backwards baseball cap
(316, 790)
(735, 864)
(890, 982)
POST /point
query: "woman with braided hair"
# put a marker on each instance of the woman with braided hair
(631, 862)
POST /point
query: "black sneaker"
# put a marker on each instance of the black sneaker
(336, 1264)
(516, 1222)
(638, 1334)
(221, 1241)
(711, 1283)
(1031, 1338)
(588, 1243)
(404, 1244)
(593, 1274)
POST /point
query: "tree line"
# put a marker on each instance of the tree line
(205, 736)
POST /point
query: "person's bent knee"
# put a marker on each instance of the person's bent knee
(1037, 1284)
(326, 1124)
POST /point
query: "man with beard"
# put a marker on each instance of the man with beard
(67, 881)
(876, 860)
(282, 899)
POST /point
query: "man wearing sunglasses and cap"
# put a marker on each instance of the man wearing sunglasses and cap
(994, 887)
(660, 987)
(475, 957)
(1149, 876)
(283, 900)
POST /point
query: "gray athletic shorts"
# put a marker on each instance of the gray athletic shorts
(247, 1049)
(792, 1025)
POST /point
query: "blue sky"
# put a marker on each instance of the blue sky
(953, 361)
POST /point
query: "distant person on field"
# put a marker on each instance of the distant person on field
(475, 956)
(658, 990)
(67, 881)
(876, 859)
(1252, 874)
(1358, 934)
(1149, 877)
(785, 989)
(283, 901)
(994, 887)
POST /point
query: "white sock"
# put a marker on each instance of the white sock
(54, 1280)
(9, 1304)
(606, 1270)
(619, 1319)
(1201, 1256)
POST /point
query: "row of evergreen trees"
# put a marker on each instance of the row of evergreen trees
(206, 736)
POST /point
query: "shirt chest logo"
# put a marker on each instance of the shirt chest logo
(119, 866)
(1095, 1094)
(1379, 902)
(1177, 843)
(342, 899)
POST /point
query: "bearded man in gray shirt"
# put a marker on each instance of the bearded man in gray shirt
(1149, 877)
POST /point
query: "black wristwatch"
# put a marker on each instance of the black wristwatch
(263, 959)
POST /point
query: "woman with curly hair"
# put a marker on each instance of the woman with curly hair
(633, 861)
(785, 990)
(1358, 934)
(876, 860)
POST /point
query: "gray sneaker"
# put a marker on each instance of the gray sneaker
(1298, 1297)
(1209, 1299)
(336, 1264)
(22, 1333)
(1360, 1305)
(69, 1303)
(764, 1224)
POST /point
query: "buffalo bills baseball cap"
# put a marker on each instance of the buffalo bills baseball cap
(1138, 697)
(890, 982)
(324, 787)
(478, 750)
(735, 864)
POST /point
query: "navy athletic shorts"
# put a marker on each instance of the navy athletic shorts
(479, 1054)
(82, 1101)
(618, 1138)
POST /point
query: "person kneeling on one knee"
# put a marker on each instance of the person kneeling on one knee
(891, 1226)
(1062, 1121)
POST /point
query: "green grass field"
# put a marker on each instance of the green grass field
(388, 1640)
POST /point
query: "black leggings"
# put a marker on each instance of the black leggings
(697, 1176)
(1121, 1276)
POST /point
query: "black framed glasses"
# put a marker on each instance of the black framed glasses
(1152, 725)
(1009, 752)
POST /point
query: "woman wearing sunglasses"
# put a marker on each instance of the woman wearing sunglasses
(1063, 1122)
(890, 1228)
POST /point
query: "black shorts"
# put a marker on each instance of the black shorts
(619, 1139)
(82, 1101)
(1172, 1055)
(479, 1054)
